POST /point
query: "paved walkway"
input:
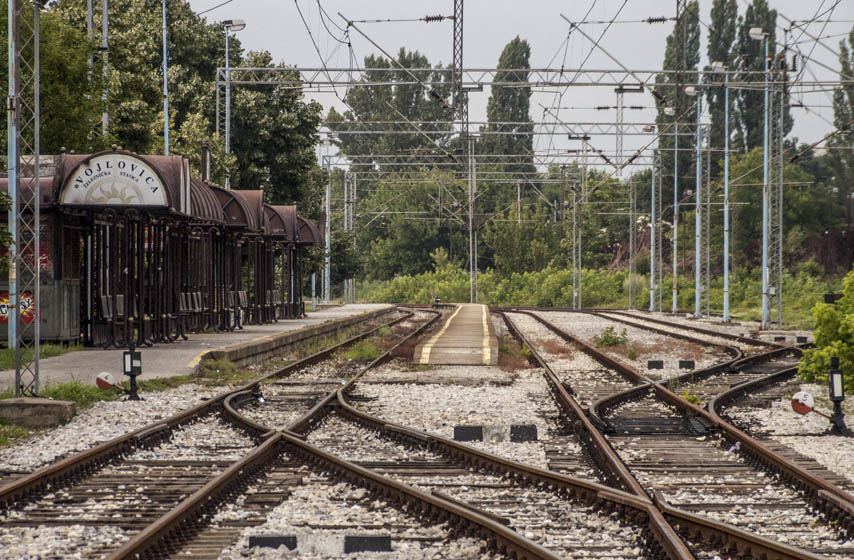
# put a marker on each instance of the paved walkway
(466, 338)
(176, 358)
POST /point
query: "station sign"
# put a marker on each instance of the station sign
(114, 179)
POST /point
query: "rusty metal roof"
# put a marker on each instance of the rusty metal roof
(309, 233)
(205, 205)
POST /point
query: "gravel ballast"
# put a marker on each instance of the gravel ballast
(99, 423)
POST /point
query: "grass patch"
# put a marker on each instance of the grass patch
(7, 355)
(690, 397)
(9, 433)
(84, 395)
(362, 351)
(222, 372)
(511, 355)
(555, 347)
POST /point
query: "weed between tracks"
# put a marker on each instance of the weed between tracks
(512, 356)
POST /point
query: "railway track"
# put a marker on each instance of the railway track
(129, 482)
(668, 443)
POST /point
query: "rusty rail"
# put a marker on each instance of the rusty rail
(839, 508)
(84, 463)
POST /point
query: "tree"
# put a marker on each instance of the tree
(70, 100)
(682, 52)
(511, 104)
(751, 102)
(840, 161)
(383, 103)
(273, 138)
(720, 48)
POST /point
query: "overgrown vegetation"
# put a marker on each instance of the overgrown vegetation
(834, 336)
(362, 350)
(690, 397)
(610, 337)
(9, 433)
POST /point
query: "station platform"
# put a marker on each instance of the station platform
(183, 356)
(466, 338)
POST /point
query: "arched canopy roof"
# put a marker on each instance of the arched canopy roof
(309, 233)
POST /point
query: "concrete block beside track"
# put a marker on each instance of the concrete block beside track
(36, 413)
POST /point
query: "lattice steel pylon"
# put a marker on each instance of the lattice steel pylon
(776, 106)
(23, 148)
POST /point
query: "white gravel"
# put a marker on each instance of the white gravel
(70, 541)
(320, 510)
(205, 439)
(352, 442)
(649, 346)
(750, 348)
(438, 408)
(99, 423)
(587, 377)
(751, 329)
(784, 425)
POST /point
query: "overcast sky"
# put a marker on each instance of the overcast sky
(275, 25)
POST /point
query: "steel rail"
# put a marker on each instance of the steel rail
(193, 510)
(708, 332)
(602, 452)
(839, 506)
(84, 463)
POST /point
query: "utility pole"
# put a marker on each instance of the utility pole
(327, 275)
(105, 58)
(652, 226)
(698, 213)
(23, 164)
(165, 86)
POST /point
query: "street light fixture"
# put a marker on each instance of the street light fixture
(669, 111)
(229, 25)
(757, 34)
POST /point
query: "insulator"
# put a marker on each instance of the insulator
(794, 63)
(602, 107)
(660, 19)
(431, 19)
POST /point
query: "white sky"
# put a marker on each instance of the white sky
(275, 25)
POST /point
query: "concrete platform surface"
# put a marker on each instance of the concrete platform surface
(176, 358)
(36, 413)
(466, 338)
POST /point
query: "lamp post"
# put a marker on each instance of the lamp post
(165, 86)
(229, 25)
(837, 395)
(721, 67)
(757, 34)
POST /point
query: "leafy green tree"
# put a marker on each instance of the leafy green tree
(382, 103)
(834, 336)
(720, 48)
(511, 104)
(70, 100)
(273, 137)
(751, 102)
(682, 52)
(525, 245)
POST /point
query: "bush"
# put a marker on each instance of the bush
(834, 336)
(610, 337)
(362, 351)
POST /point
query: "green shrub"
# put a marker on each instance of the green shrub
(834, 336)
(610, 337)
(691, 398)
(632, 352)
(362, 351)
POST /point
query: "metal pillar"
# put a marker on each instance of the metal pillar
(675, 209)
(228, 119)
(105, 59)
(472, 191)
(632, 244)
(327, 254)
(23, 173)
(766, 311)
(775, 192)
(165, 86)
(652, 226)
(619, 131)
(726, 317)
(698, 213)
(706, 225)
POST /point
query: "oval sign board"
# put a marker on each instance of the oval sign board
(105, 380)
(802, 402)
(114, 179)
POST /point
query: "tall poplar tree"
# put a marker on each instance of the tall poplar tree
(682, 52)
(721, 48)
(511, 104)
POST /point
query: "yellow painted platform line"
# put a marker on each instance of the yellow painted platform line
(486, 351)
(195, 361)
(425, 350)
